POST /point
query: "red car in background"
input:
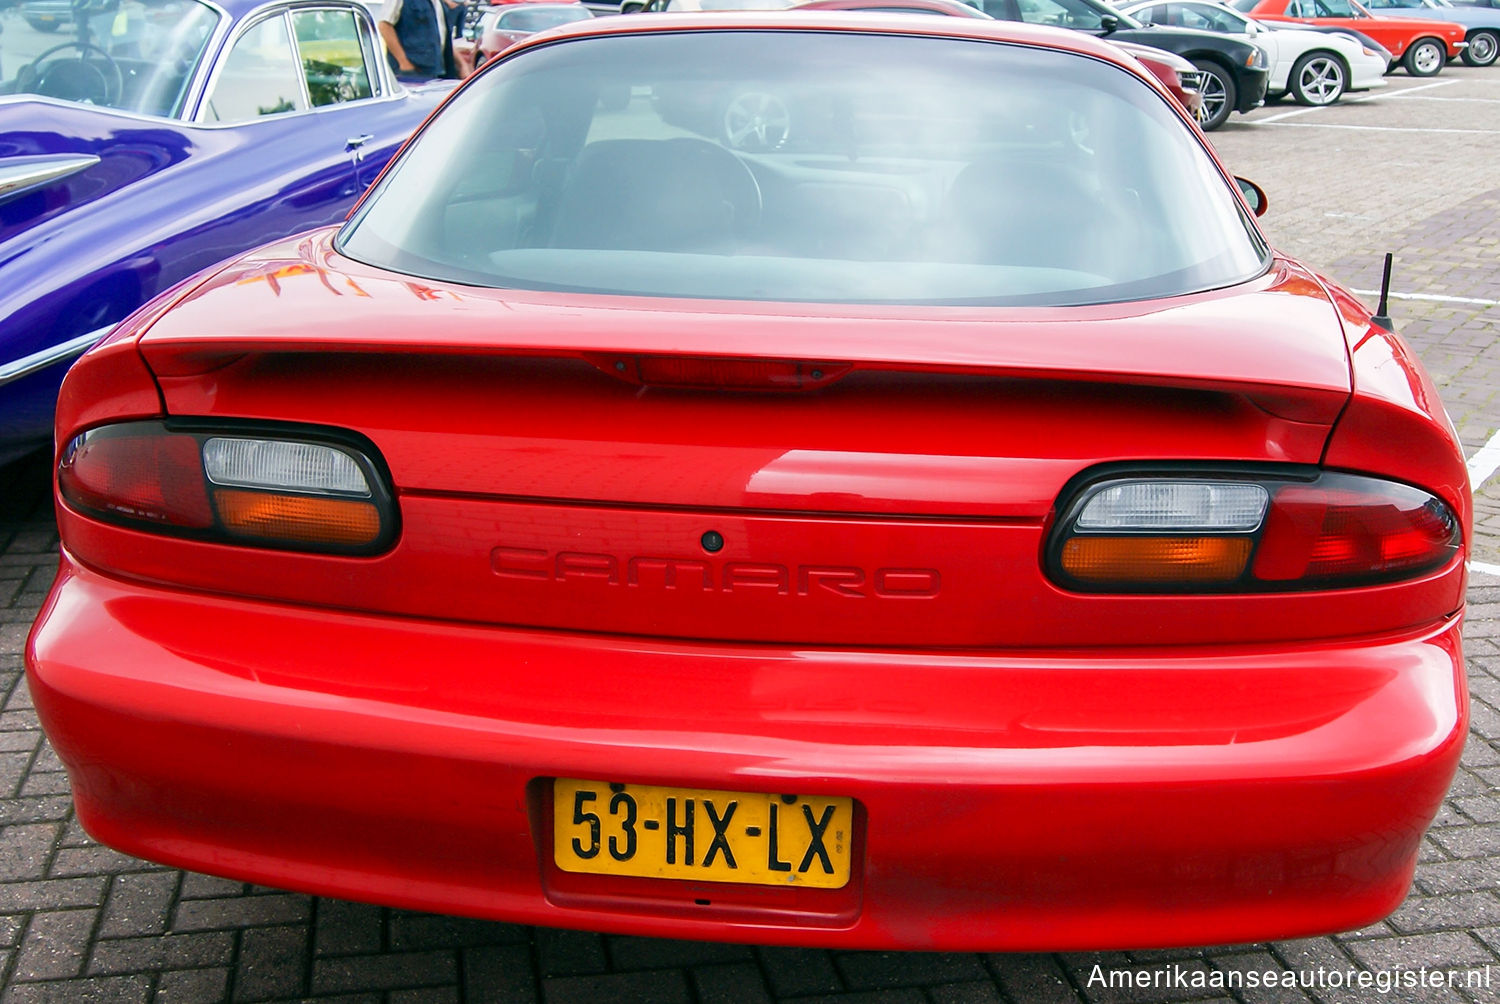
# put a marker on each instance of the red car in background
(1176, 74)
(952, 8)
(1423, 47)
(498, 27)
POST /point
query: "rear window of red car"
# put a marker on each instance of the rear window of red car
(811, 166)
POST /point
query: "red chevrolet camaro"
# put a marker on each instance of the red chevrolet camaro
(874, 486)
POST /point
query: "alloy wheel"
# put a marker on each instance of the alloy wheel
(1218, 96)
(756, 120)
(1319, 81)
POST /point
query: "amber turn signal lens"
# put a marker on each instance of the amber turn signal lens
(302, 519)
(1151, 559)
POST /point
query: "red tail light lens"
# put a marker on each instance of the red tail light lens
(269, 489)
(1354, 529)
(137, 472)
(1170, 533)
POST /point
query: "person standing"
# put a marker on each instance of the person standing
(453, 14)
(416, 39)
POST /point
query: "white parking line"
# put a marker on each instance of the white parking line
(1365, 128)
(1428, 297)
(1397, 93)
(1285, 115)
(1485, 569)
(1439, 97)
(1482, 465)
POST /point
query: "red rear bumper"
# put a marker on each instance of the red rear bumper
(1017, 801)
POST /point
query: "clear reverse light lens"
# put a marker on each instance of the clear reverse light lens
(281, 466)
(1175, 505)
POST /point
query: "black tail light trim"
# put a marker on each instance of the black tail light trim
(1434, 541)
(194, 523)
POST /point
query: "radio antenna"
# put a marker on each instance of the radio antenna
(1383, 312)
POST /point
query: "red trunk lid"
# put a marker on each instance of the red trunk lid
(903, 504)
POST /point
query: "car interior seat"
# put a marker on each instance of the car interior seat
(680, 195)
(1029, 212)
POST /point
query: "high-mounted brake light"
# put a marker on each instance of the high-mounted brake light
(1172, 533)
(715, 373)
(266, 490)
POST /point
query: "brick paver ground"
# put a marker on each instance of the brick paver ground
(1413, 171)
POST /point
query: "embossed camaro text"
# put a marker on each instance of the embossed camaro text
(649, 572)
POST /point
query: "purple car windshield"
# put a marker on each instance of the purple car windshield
(811, 166)
(135, 55)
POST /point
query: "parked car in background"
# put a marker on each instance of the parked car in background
(1176, 74)
(951, 8)
(1483, 24)
(500, 27)
(680, 6)
(475, 9)
(161, 137)
(1343, 32)
(47, 15)
(955, 528)
(1313, 67)
(508, 25)
(1234, 72)
(1423, 46)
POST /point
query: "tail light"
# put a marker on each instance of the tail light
(301, 490)
(1171, 533)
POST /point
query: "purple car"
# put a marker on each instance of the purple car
(144, 140)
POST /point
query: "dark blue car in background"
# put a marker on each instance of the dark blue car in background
(144, 140)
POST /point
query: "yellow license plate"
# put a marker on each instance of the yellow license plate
(600, 828)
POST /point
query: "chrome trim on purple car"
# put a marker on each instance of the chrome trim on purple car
(50, 356)
(383, 84)
(206, 61)
(19, 175)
